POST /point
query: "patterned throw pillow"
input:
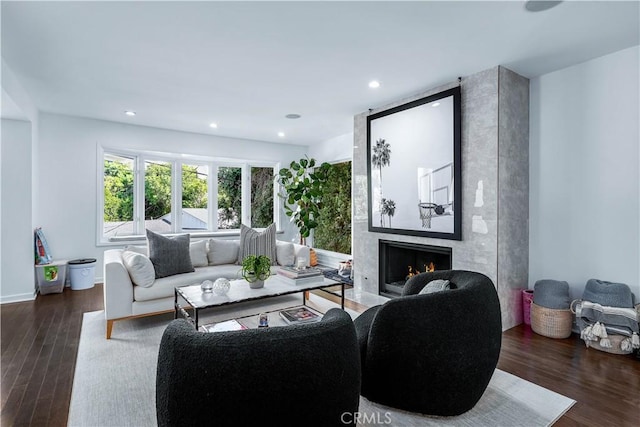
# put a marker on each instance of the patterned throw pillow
(169, 255)
(435, 286)
(254, 242)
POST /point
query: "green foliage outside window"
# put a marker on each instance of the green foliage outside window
(229, 197)
(119, 200)
(118, 191)
(333, 232)
(157, 190)
(194, 188)
(261, 197)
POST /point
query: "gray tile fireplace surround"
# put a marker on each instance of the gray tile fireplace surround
(495, 162)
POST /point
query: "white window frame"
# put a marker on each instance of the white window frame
(177, 160)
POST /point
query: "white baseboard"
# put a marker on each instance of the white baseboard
(17, 298)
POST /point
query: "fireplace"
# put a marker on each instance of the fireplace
(399, 260)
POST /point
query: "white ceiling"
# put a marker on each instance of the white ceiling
(245, 65)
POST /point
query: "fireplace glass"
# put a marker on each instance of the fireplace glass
(400, 260)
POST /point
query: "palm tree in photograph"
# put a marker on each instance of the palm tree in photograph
(381, 157)
(388, 207)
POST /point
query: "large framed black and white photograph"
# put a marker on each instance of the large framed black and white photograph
(414, 167)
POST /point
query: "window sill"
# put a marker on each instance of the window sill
(140, 239)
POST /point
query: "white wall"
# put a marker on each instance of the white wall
(17, 274)
(68, 173)
(584, 181)
(23, 210)
(333, 150)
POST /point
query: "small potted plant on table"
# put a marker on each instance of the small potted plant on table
(256, 269)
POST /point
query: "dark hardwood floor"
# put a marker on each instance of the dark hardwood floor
(39, 343)
(39, 346)
(606, 387)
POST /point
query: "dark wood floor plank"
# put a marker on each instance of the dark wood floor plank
(64, 384)
(21, 365)
(35, 384)
(40, 343)
(605, 386)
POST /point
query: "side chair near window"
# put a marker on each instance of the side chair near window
(305, 374)
(432, 353)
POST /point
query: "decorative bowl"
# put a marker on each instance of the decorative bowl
(221, 286)
(207, 286)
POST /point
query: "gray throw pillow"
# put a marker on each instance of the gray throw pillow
(254, 242)
(435, 286)
(169, 255)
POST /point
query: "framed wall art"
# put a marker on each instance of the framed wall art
(414, 167)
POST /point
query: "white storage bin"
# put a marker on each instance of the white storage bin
(51, 277)
(82, 273)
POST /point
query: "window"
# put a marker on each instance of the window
(118, 196)
(195, 197)
(334, 225)
(157, 196)
(167, 194)
(261, 197)
(229, 197)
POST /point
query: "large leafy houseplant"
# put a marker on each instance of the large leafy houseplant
(302, 189)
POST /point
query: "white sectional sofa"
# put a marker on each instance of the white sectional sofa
(125, 300)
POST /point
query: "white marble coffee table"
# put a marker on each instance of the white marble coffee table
(239, 291)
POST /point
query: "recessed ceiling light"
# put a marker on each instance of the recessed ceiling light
(130, 113)
(213, 125)
(435, 104)
(281, 134)
(373, 84)
(540, 5)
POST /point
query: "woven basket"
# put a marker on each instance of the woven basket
(615, 340)
(552, 323)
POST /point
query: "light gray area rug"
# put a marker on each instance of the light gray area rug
(114, 382)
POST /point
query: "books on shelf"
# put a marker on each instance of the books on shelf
(227, 325)
(301, 314)
(294, 273)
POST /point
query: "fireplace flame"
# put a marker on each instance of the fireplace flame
(411, 272)
(427, 268)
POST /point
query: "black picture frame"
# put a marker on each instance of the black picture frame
(419, 146)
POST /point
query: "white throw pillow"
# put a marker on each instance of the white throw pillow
(285, 253)
(435, 286)
(223, 251)
(138, 249)
(198, 253)
(140, 268)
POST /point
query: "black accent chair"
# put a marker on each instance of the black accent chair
(432, 353)
(290, 375)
